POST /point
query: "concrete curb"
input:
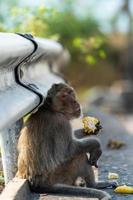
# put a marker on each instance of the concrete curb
(16, 189)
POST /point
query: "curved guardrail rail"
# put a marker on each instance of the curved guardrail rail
(25, 77)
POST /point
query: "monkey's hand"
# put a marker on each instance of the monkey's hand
(91, 125)
(94, 156)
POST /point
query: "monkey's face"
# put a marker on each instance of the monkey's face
(65, 102)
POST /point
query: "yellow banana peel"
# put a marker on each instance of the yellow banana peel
(124, 189)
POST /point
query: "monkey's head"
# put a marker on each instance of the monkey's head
(61, 98)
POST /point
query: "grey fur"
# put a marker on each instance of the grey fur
(48, 148)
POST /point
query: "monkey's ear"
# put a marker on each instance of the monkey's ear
(53, 90)
(47, 102)
(55, 87)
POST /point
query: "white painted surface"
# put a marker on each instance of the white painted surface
(15, 100)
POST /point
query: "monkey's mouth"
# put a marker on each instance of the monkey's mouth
(77, 111)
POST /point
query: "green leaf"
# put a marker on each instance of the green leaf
(90, 60)
(102, 54)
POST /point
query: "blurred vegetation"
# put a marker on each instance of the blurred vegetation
(88, 46)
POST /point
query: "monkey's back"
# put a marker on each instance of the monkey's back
(42, 145)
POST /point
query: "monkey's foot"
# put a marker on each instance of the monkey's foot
(114, 184)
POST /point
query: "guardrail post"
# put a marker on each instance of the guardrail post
(8, 142)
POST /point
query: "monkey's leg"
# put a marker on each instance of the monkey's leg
(106, 184)
(90, 180)
(74, 191)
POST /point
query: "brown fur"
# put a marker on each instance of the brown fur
(49, 153)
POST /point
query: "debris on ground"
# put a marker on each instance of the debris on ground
(115, 144)
(124, 189)
(112, 176)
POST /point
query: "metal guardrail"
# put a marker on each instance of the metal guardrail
(25, 77)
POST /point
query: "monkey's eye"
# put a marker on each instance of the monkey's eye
(70, 92)
(63, 96)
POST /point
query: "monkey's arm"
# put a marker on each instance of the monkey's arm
(79, 133)
(85, 145)
(72, 146)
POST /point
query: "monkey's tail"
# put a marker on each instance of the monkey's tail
(73, 191)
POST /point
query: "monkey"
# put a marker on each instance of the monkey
(52, 156)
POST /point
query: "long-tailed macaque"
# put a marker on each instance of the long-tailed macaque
(52, 156)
